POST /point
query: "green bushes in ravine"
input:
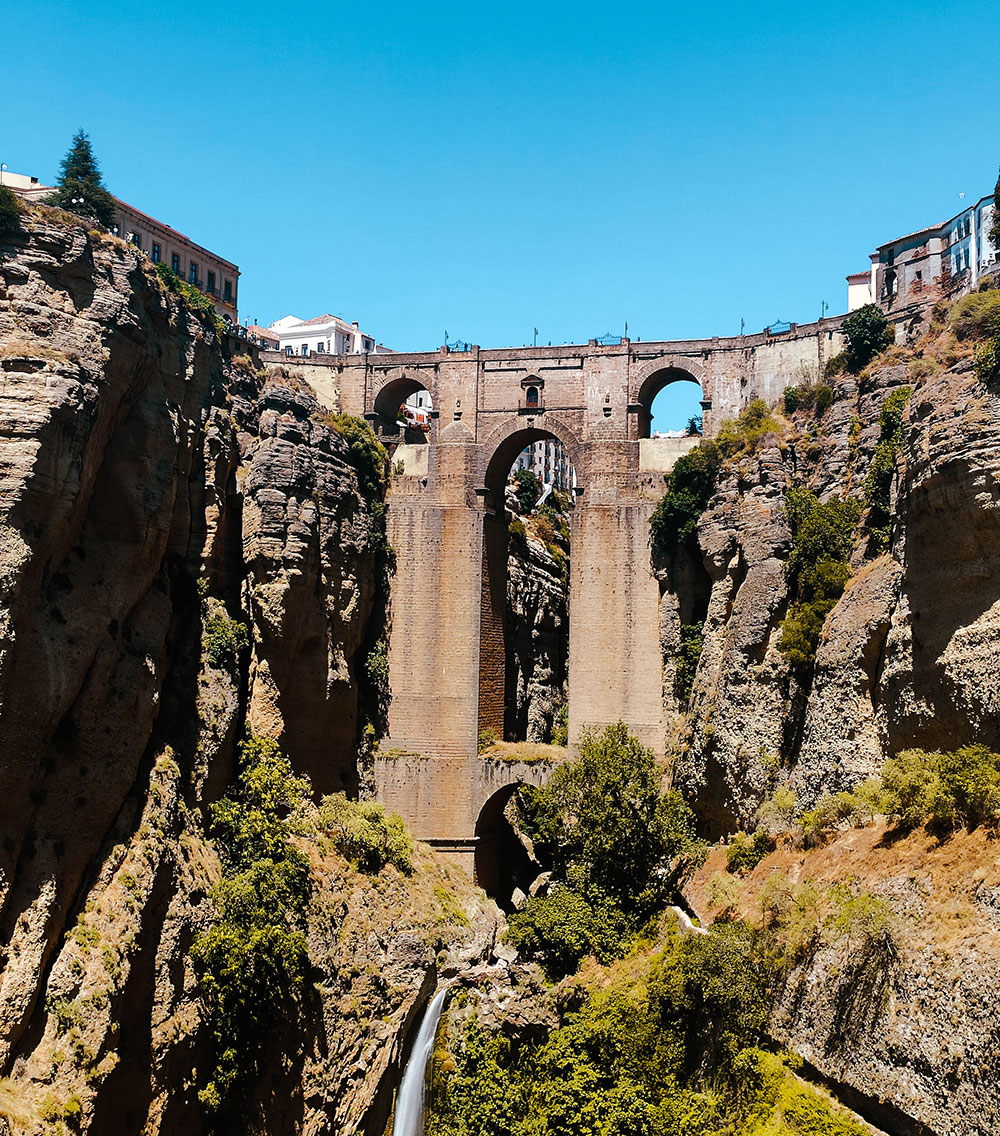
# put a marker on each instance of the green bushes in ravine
(252, 961)
(667, 1045)
(607, 833)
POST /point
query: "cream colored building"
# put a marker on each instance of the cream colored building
(322, 335)
(206, 270)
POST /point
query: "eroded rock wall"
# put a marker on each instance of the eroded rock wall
(149, 480)
(537, 634)
(909, 655)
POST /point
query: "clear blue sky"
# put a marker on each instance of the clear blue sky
(488, 170)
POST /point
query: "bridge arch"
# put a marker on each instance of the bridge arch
(501, 861)
(659, 379)
(501, 447)
(390, 397)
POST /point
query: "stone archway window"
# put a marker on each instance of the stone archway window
(531, 396)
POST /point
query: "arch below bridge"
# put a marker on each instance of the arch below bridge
(501, 862)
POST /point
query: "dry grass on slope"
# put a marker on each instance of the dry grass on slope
(946, 893)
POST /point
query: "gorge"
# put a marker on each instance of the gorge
(206, 586)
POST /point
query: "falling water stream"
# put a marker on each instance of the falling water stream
(409, 1116)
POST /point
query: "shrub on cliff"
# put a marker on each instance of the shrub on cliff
(194, 300)
(81, 188)
(10, 211)
(686, 660)
(808, 396)
(745, 432)
(952, 790)
(365, 452)
(977, 315)
(690, 486)
(251, 963)
(363, 832)
(745, 851)
(868, 334)
(527, 490)
(822, 538)
(223, 639)
(878, 482)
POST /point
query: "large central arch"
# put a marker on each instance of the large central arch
(495, 674)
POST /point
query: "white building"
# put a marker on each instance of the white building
(548, 461)
(324, 335)
(942, 260)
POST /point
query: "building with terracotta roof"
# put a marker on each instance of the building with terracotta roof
(206, 270)
(323, 335)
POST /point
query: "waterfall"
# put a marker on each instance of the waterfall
(409, 1116)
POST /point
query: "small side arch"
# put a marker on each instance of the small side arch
(390, 397)
(502, 863)
(655, 382)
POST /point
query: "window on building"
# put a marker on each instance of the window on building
(531, 398)
(175, 263)
(368, 345)
(155, 253)
(193, 273)
(305, 348)
(227, 291)
(288, 351)
(966, 258)
(319, 348)
(211, 283)
(137, 240)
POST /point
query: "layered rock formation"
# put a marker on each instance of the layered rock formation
(157, 497)
(907, 657)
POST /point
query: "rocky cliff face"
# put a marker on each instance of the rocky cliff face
(908, 656)
(155, 495)
(904, 1030)
(537, 630)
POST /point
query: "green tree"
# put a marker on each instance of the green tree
(868, 334)
(527, 489)
(81, 188)
(607, 833)
(10, 210)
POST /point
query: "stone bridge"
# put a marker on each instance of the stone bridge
(447, 524)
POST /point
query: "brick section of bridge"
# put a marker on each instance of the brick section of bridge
(446, 663)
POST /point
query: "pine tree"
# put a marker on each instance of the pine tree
(81, 188)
